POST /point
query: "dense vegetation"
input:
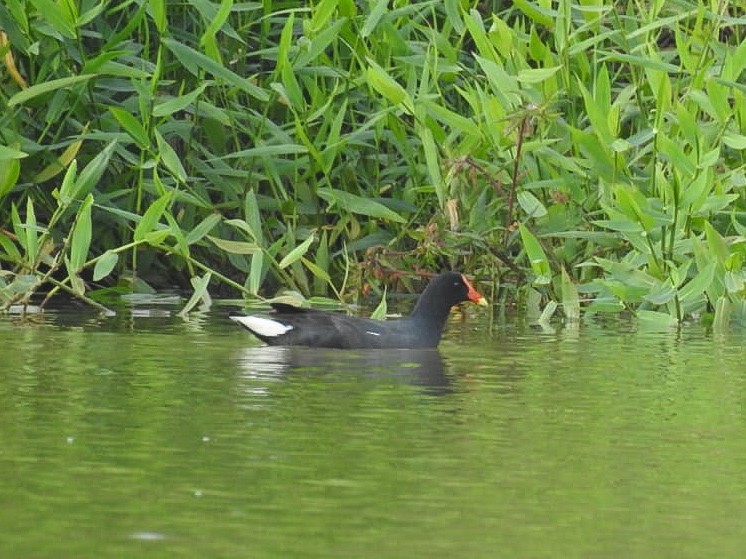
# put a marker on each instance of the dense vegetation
(587, 153)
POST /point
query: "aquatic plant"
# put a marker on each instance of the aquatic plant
(582, 155)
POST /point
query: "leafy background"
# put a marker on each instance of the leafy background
(584, 155)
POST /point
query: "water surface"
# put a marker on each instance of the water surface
(146, 436)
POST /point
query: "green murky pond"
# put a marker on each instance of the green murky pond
(147, 436)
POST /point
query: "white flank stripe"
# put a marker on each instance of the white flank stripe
(372, 333)
(263, 326)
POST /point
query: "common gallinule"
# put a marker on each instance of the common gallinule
(294, 326)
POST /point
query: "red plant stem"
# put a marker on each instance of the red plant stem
(514, 182)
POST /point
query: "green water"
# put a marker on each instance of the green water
(152, 437)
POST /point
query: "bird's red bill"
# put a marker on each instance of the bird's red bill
(473, 294)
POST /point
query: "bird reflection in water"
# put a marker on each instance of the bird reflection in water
(419, 367)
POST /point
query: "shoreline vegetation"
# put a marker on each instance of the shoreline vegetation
(573, 157)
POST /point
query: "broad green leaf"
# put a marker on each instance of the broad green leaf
(179, 103)
(234, 247)
(214, 25)
(734, 281)
(376, 13)
(456, 121)
(104, 265)
(255, 273)
(733, 140)
(383, 83)
(322, 12)
(169, 158)
(291, 90)
(151, 217)
(716, 203)
(9, 173)
(195, 61)
(10, 249)
(320, 43)
(174, 229)
(295, 254)
(709, 158)
(735, 62)
(379, 313)
(315, 270)
(531, 204)
(252, 217)
(604, 161)
(598, 116)
(535, 13)
(718, 246)
(203, 228)
(536, 256)
(536, 75)
(116, 69)
(91, 173)
(357, 204)
(432, 159)
(453, 13)
(59, 18)
(333, 144)
(570, 299)
(81, 236)
(695, 192)
(602, 90)
(485, 48)
(46, 87)
(623, 225)
(629, 200)
(132, 126)
(157, 11)
(679, 274)
(679, 160)
(628, 275)
(32, 241)
(719, 96)
(91, 14)
(661, 294)
(59, 164)
(157, 237)
(18, 227)
(268, 151)
(8, 154)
